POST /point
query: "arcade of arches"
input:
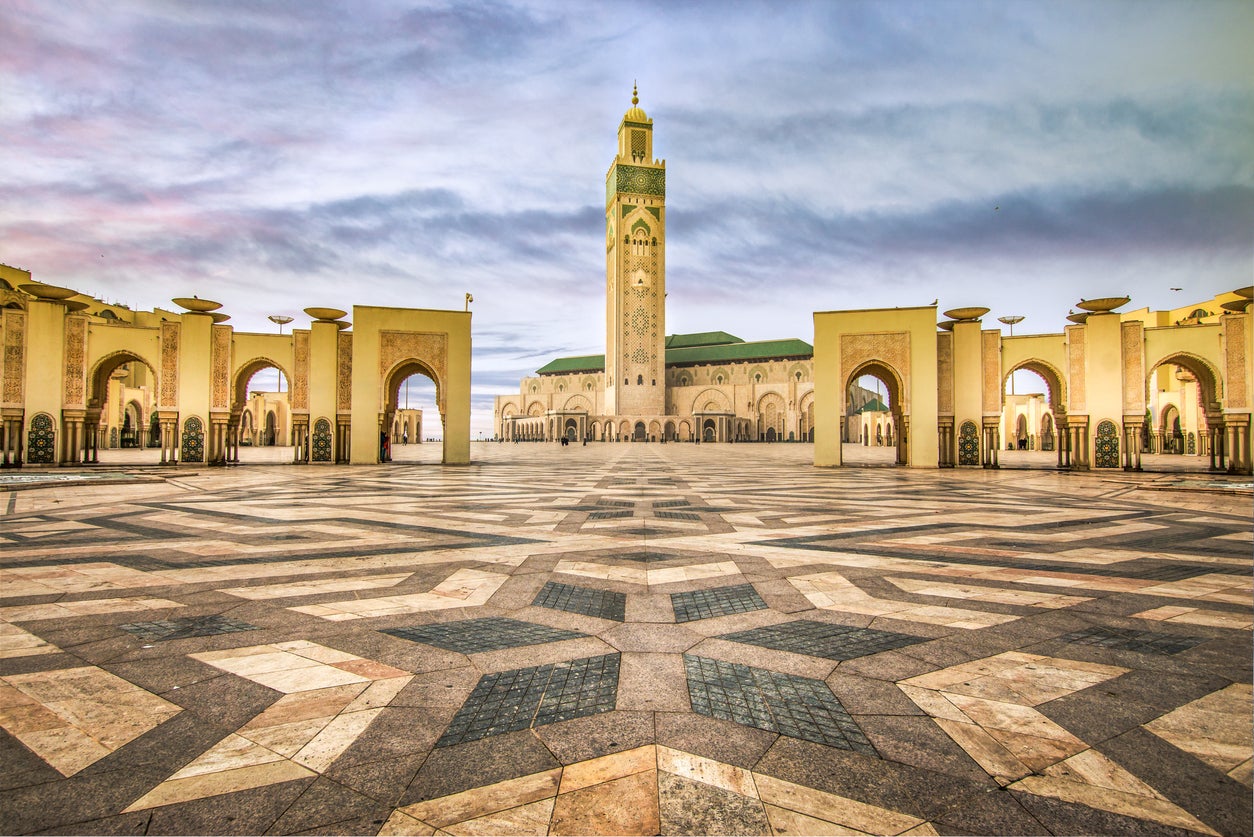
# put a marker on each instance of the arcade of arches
(79, 375)
(1119, 384)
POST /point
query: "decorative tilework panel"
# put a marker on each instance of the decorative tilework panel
(1106, 453)
(41, 440)
(822, 639)
(474, 636)
(968, 444)
(720, 601)
(604, 604)
(799, 707)
(193, 446)
(530, 697)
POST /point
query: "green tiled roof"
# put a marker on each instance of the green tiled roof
(703, 338)
(728, 349)
(739, 352)
(873, 406)
(567, 365)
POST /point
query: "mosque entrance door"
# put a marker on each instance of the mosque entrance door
(572, 429)
(640, 433)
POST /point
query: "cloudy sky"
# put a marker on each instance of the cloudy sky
(826, 155)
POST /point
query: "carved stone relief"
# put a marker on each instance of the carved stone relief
(169, 384)
(890, 347)
(300, 371)
(945, 374)
(1133, 334)
(74, 382)
(429, 348)
(990, 343)
(1236, 338)
(1075, 370)
(344, 373)
(220, 367)
(14, 357)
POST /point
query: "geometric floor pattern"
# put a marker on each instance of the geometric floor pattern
(626, 639)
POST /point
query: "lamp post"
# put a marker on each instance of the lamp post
(280, 320)
(1010, 320)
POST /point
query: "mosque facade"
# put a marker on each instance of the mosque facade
(651, 386)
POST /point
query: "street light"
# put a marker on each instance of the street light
(1010, 320)
(280, 320)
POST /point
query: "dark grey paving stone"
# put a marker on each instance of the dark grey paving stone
(1127, 639)
(597, 735)
(716, 601)
(243, 812)
(475, 636)
(613, 514)
(798, 707)
(326, 802)
(185, 628)
(991, 813)
(478, 763)
(509, 701)
(677, 515)
(713, 738)
(383, 780)
(603, 604)
(690, 807)
(823, 639)
(646, 556)
(134, 823)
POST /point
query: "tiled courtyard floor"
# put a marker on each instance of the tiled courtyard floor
(625, 639)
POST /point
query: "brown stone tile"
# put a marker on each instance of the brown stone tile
(324, 803)
(652, 637)
(785, 662)
(597, 735)
(919, 742)
(690, 807)
(868, 696)
(251, 811)
(724, 741)
(652, 683)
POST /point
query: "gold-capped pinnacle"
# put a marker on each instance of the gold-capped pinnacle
(635, 95)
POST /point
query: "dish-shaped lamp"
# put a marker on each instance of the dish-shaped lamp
(1237, 306)
(1104, 305)
(196, 305)
(961, 314)
(325, 314)
(342, 324)
(73, 306)
(42, 291)
(946, 325)
(1079, 318)
(219, 317)
(1247, 292)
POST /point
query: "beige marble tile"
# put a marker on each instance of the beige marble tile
(490, 799)
(15, 642)
(231, 753)
(711, 772)
(1117, 802)
(90, 607)
(72, 718)
(215, 784)
(607, 768)
(831, 808)
(621, 806)
(316, 587)
(530, 819)
(1215, 728)
(464, 588)
(403, 825)
(786, 822)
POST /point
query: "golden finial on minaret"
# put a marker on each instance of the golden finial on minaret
(635, 96)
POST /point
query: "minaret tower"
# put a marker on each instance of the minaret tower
(635, 272)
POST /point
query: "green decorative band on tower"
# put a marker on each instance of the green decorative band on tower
(646, 125)
(640, 180)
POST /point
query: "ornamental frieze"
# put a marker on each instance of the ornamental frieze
(75, 370)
